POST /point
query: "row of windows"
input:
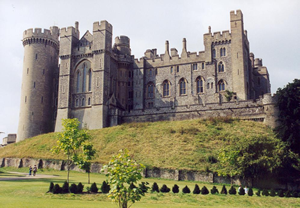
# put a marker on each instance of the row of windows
(82, 102)
(183, 87)
(222, 52)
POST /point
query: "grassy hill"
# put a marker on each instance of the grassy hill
(189, 144)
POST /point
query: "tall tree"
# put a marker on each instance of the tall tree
(123, 177)
(70, 141)
(289, 114)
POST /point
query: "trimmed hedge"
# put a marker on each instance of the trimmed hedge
(175, 189)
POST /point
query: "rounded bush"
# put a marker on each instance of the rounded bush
(280, 193)
(186, 190)
(155, 188)
(73, 188)
(250, 192)
(51, 187)
(164, 189)
(105, 188)
(57, 189)
(65, 187)
(196, 189)
(175, 189)
(258, 192)
(287, 193)
(204, 190)
(272, 193)
(265, 192)
(94, 188)
(79, 188)
(214, 190)
(224, 190)
(241, 191)
(232, 191)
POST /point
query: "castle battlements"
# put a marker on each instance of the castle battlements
(69, 31)
(103, 25)
(52, 34)
(236, 15)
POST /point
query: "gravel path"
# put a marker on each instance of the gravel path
(24, 176)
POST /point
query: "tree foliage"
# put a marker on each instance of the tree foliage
(73, 142)
(122, 171)
(289, 114)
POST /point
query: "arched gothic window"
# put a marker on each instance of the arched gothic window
(221, 85)
(182, 86)
(83, 102)
(90, 80)
(222, 52)
(150, 90)
(221, 67)
(200, 85)
(166, 90)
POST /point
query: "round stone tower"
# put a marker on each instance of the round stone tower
(39, 86)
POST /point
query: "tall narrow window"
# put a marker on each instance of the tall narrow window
(27, 70)
(84, 78)
(221, 51)
(42, 99)
(89, 101)
(78, 81)
(43, 71)
(194, 66)
(33, 84)
(36, 56)
(77, 102)
(224, 51)
(166, 90)
(150, 90)
(199, 85)
(90, 80)
(221, 85)
(182, 86)
(202, 65)
(214, 53)
(171, 69)
(83, 102)
(177, 68)
(221, 67)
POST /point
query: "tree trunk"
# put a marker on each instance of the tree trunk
(89, 177)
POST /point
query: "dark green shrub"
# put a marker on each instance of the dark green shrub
(144, 187)
(155, 187)
(214, 190)
(265, 192)
(51, 187)
(196, 189)
(186, 190)
(258, 192)
(287, 193)
(175, 189)
(105, 188)
(294, 194)
(132, 186)
(94, 188)
(280, 193)
(224, 190)
(241, 191)
(232, 191)
(73, 188)
(57, 189)
(211, 159)
(164, 189)
(204, 190)
(79, 188)
(272, 193)
(65, 187)
(250, 192)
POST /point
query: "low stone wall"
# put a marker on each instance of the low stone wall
(177, 175)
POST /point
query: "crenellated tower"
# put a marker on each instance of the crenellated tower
(39, 81)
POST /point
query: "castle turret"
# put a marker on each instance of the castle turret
(40, 68)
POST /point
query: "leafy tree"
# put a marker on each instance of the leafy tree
(175, 189)
(122, 171)
(228, 160)
(155, 187)
(71, 141)
(224, 190)
(144, 186)
(196, 189)
(289, 114)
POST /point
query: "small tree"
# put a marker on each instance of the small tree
(79, 188)
(65, 187)
(224, 190)
(186, 190)
(155, 187)
(258, 192)
(228, 160)
(105, 188)
(204, 190)
(175, 189)
(280, 193)
(51, 187)
(164, 189)
(250, 192)
(232, 191)
(196, 189)
(214, 190)
(73, 188)
(70, 141)
(57, 189)
(287, 193)
(122, 171)
(94, 188)
(272, 193)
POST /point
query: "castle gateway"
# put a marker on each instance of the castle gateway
(103, 85)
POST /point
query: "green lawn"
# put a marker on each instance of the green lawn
(32, 193)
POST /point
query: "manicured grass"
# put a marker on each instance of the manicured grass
(185, 144)
(32, 193)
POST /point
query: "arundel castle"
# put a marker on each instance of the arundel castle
(102, 84)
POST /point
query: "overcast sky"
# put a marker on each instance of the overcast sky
(273, 31)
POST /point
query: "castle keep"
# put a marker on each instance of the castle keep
(103, 85)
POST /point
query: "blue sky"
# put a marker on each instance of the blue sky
(273, 31)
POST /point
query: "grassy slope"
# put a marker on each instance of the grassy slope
(177, 144)
(32, 193)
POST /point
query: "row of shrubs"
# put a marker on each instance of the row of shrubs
(105, 188)
(77, 189)
(232, 191)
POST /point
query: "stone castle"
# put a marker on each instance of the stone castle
(103, 85)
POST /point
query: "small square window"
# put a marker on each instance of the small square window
(194, 66)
